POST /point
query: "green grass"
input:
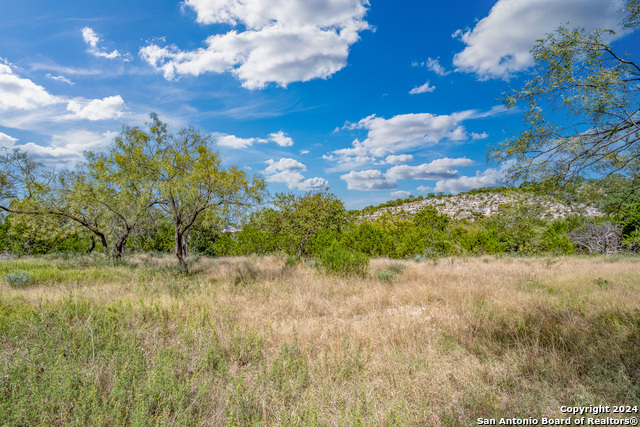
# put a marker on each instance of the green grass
(136, 343)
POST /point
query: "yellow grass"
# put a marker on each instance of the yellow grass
(441, 344)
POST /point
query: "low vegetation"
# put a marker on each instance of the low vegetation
(252, 341)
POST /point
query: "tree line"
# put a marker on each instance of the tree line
(146, 176)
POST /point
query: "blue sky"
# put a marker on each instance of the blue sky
(374, 99)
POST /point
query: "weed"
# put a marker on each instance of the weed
(342, 261)
(18, 278)
(385, 275)
(604, 284)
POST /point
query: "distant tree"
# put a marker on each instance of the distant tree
(598, 238)
(190, 180)
(598, 89)
(301, 217)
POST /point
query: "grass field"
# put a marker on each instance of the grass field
(251, 341)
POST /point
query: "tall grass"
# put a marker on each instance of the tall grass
(244, 341)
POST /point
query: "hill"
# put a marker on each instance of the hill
(481, 203)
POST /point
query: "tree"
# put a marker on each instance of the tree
(301, 217)
(190, 180)
(108, 195)
(598, 89)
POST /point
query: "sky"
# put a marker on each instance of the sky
(374, 99)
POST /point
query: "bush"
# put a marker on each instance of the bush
(603, 238)
(385, 276)
(337, 259)
(18, 278)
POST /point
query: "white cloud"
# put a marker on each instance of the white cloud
(91, 38)
(281, 139)
(17, 93)
(498, 46)
(476, 136)
(287, 171)
(395, 160)
(283, 41)
(401, 194)
(232, 141)
(374, 179)
(98, 109)
(65, 149)
(60, 79)
(284, 164)
(304, 151)
(368, 180)
(7, 141)
(437, 169)
(422, 89)
(433, 65)
(401, 133)
(488, 178)
(424, 189)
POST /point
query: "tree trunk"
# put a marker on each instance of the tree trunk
(118, 249)
(92, 245)
(302, 243)
(105, 246)
(181, 247)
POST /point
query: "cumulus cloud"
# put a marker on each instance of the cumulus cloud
(281, 139)
(498, 46)
(284, 164)
(91, 38)
(367, 180)
(287, 171)
(476, 136)
(402, 133)
(7, 141)
(401, 193)
(488, 178)
(18, 93)
(374, 179)
(232, 141)
(283, 41)
(422, 89)
(396, 160)
(437, 169)
(64, 150)
(98, 109)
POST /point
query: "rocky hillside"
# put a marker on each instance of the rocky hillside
(471, 205)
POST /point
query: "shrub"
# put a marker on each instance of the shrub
(385, 275)
(603, 238)
(340, 260)
(18, 278)
(291, 261)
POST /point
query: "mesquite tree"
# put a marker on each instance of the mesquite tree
(594, 94)
(189, 180)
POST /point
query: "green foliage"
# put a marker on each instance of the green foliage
(340, 260)
(430, 218)
(386, 276)
(581, 75)
(368, 238)
(18, 278)
(294, 220)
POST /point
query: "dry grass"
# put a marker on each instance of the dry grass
(442, 344)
